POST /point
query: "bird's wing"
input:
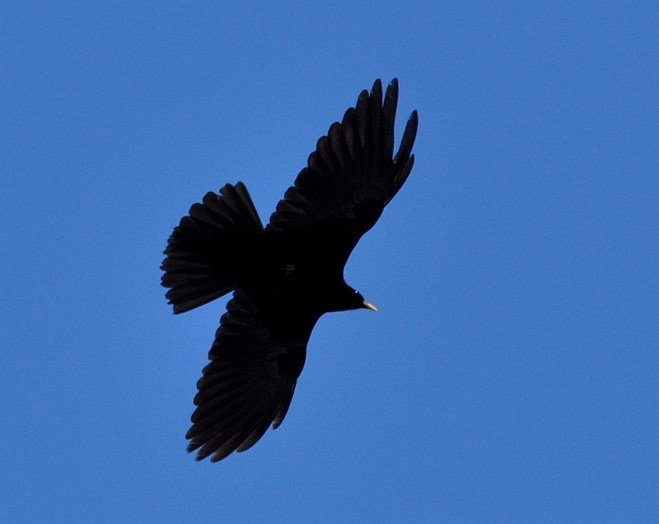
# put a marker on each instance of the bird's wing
(247, 385)
(353, 173)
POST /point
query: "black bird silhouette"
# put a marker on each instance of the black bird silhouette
(284, 276)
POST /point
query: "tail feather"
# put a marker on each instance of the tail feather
(205, 247)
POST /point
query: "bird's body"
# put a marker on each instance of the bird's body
(284, 276)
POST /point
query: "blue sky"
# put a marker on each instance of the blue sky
(512, 374)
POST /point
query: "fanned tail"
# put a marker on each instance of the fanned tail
(206, 248)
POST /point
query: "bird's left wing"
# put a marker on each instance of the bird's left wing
(247, 386)
(353, 173)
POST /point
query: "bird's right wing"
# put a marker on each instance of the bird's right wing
(353, 173)
(247, 386)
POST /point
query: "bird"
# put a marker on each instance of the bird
(283, 276)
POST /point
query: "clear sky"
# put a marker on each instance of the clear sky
(512, 374)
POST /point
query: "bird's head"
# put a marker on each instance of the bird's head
(348, 298)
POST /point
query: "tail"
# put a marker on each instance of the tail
(204, 250)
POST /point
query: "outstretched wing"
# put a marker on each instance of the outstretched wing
(247, 385)
(352, 175)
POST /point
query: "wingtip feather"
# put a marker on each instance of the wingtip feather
(409, 135)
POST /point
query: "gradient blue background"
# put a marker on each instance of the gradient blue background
(512, 374)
